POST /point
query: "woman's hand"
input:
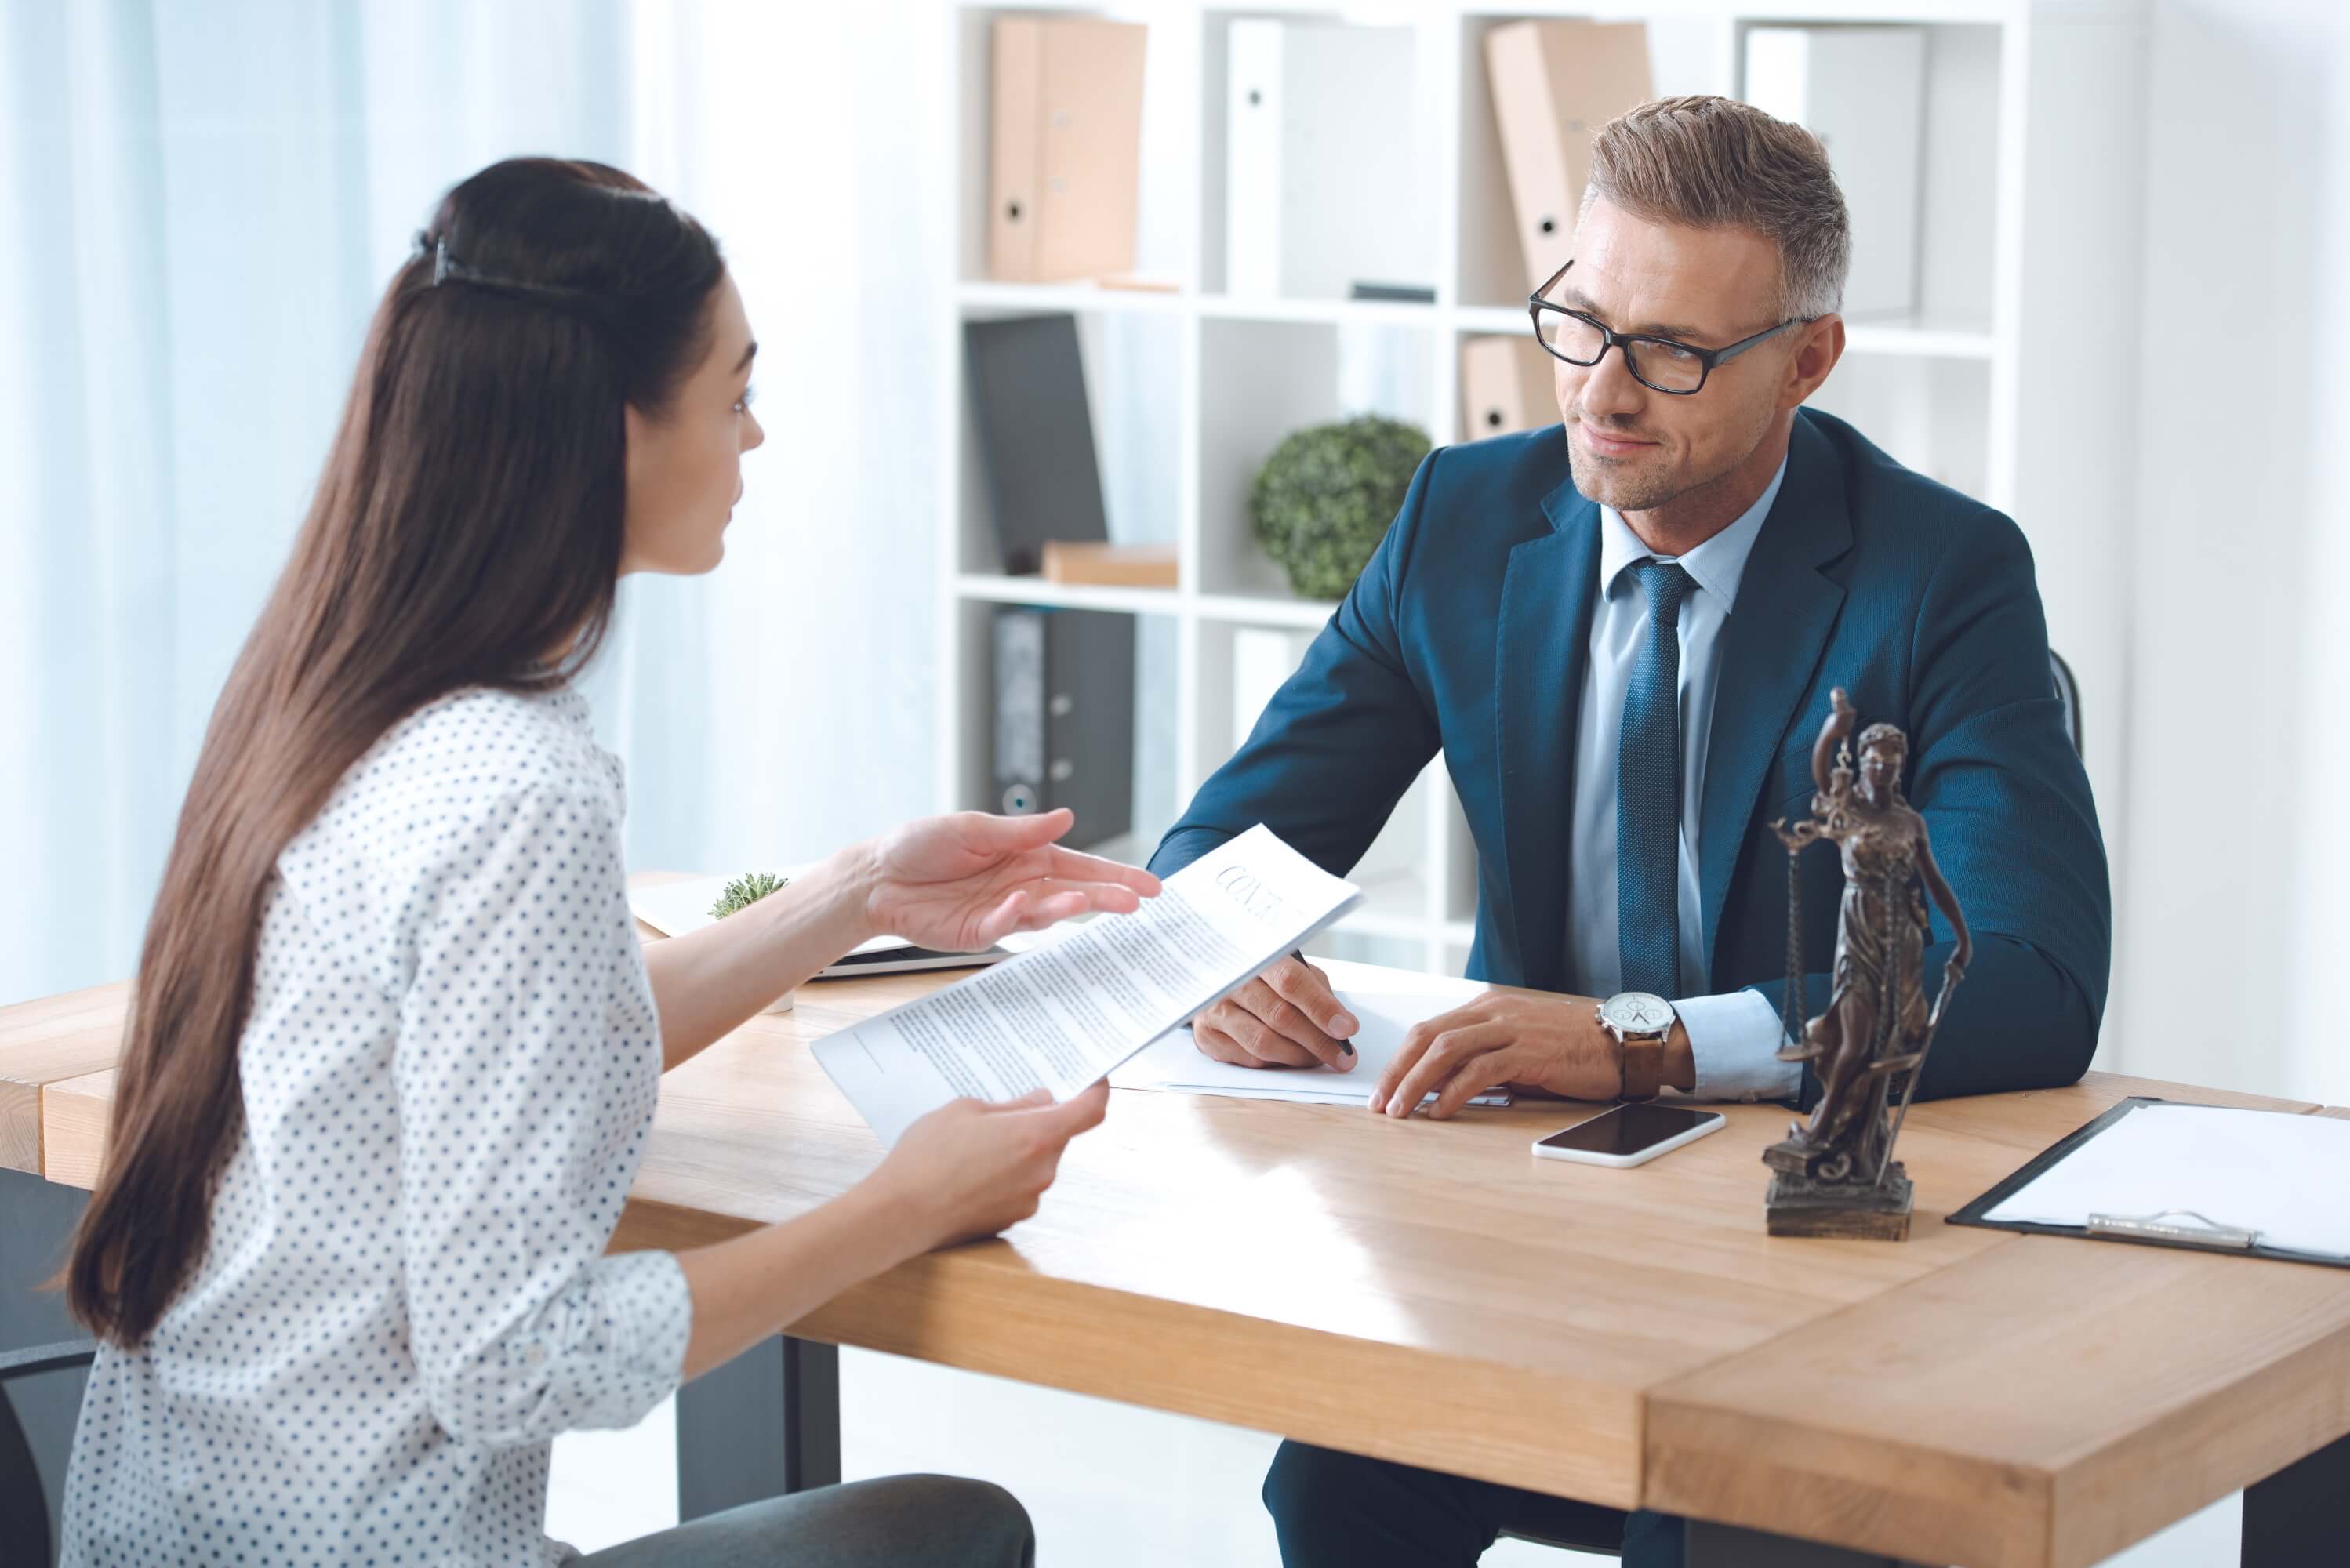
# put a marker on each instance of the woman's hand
(965, 1170)
(963, 882)
(971, 1169)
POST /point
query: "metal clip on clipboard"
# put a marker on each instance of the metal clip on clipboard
(2161, 1227)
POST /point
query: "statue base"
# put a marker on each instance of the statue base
(1802, 1205)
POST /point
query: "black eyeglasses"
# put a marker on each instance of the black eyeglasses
(1659, 364)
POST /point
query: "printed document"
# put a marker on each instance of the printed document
(1058, 1017)
(1385, 1003)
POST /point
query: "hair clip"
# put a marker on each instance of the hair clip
(437, 246)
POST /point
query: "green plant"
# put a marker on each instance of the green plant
(744, 890)
(1324, 499)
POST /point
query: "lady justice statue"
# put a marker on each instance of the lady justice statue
(1835, 1175)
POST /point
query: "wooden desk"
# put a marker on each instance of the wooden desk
(1429, 1292)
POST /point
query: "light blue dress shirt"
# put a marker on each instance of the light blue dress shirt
(1734, 1038)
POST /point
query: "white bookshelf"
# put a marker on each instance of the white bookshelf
(2032, 122)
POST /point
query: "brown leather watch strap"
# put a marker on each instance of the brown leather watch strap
(1644, 1066)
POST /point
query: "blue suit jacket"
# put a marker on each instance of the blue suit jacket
(1469, 630)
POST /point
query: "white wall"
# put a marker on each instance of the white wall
(2231, 918)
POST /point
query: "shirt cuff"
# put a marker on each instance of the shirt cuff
(1734, 1040)
(650, 1293)
(623, 1351)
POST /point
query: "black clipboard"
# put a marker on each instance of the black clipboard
(1974, 1213)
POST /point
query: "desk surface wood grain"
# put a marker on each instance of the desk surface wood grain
(1430, 1293)
(44, 1042)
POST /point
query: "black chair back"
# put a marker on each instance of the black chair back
(23, 1511)
(2068, 692)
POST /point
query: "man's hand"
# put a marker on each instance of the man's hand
(1286, 1017)
(1554, 1044)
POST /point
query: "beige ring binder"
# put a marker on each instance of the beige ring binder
(1066, 161)
(1555, 84)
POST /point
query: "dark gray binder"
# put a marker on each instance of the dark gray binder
(1036, 434)
(1065, 717)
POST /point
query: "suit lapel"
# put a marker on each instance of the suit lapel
(1541, 647)
(1769, 651)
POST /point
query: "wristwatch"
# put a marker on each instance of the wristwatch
(1640, 1024)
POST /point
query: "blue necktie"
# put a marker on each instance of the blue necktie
(1649, 792)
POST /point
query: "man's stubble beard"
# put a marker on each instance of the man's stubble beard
(1611, 484)
(1616, 483)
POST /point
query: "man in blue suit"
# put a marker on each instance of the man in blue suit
(1622, 631)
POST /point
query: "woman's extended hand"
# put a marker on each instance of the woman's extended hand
(963, 882)
(972, 1168)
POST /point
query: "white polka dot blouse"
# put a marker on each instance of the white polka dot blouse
(449, 1072)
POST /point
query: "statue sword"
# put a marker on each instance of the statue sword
(1910, 1089)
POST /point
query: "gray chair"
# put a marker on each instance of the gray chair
(23, 1511)
(2068, 692)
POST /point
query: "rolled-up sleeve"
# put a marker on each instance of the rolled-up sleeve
(514, 1152)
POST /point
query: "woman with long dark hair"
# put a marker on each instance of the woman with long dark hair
(394, 1045)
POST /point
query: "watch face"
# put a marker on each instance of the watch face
(1638, 1013)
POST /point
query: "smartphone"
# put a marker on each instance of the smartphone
(1631, 1134)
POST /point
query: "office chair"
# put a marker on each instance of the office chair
(23, 1511)
(2068, 692)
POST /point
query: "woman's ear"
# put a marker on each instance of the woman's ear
(636, 448)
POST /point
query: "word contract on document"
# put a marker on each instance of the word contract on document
(1060, 1016)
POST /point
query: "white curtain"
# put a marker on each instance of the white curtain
(203, 203)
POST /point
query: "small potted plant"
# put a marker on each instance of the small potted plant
(741, 893)
(1324, 499)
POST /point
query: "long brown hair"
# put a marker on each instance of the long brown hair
(467, 527)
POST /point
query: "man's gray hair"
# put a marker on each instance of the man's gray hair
(1713, 163)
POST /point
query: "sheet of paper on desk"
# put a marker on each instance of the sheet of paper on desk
(1176, 1066)
(2279, 1174)
(1061, 1016)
